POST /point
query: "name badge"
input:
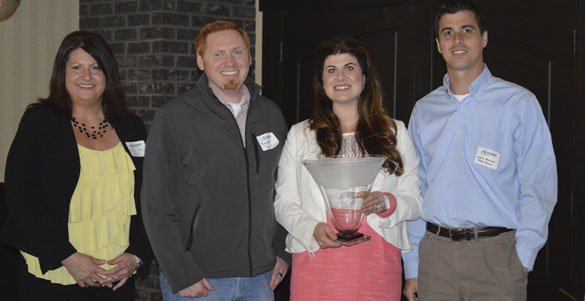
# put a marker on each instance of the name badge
(487, 157)
(136, 148)
(267, 141)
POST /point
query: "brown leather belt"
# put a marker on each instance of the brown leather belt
(457, 234)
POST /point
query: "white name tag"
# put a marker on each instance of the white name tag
(487, 157)
(136, 148)
(267, 141)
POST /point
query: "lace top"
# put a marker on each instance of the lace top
(349, 146)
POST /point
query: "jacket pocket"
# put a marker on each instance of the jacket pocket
(192, 226)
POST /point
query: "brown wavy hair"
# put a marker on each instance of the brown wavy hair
(114, 103)
(376, 131)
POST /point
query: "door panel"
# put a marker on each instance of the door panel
(382, 30)
(530, 43)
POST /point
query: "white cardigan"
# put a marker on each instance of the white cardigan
(299, 204)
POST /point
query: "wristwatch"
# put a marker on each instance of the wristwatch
(138, 261)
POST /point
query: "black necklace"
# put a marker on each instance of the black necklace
(93, 133)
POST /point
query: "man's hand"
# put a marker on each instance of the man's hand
(124, 265)
(199, 289)
(278, 273)
(411, 289)
(325, 236)
(84, 269)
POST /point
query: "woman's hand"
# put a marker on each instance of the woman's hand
(325, 236)
(124, 265)
(374, 203)
(85, 269)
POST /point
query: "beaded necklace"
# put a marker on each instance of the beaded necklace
(93, 133)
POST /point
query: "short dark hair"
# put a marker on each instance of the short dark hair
(452, 7)
(113, 100)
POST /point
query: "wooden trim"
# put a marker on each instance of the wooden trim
(578, 160)
(304, 5)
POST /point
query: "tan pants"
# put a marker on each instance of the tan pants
(477, 269)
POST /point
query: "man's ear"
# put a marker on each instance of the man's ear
(438, 45)
(485, 38)
(200, 63)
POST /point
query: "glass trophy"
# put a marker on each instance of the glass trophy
(344, 181)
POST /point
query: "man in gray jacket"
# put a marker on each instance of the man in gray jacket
(209, 176)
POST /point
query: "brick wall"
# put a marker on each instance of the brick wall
(153, 44)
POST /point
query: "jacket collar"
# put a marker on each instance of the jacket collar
(203, 85)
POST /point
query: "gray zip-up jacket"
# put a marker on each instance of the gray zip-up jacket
(207, 200)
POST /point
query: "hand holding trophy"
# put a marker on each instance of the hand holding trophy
(344, 182)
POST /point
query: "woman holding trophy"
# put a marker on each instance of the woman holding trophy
(348, 121)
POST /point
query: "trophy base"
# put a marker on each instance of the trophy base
(350, 239)
(348, 236)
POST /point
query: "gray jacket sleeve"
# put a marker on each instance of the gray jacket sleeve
(159, 203)
(279, 243)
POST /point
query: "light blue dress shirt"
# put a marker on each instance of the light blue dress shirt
(485, 161)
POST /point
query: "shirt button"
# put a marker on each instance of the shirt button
(459, 132)
(459, 181)
(462, 108)
(459, 206)
(458, 156)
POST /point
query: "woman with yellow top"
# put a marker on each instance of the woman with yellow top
(73, 179)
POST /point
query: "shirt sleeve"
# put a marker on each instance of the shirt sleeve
(537, 174)
(161, 221)
(416, 228)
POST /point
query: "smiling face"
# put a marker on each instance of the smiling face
(461, 43)
(343, 80)
(226, 62)
(84, 79)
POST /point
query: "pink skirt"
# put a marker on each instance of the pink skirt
(367, 271)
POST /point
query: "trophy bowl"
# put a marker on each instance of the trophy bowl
(344, 209)
(344, 182)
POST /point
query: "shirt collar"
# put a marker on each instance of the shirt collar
(476, 86)
(243, 102)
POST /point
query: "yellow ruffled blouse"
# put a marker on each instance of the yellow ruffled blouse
(100, 210)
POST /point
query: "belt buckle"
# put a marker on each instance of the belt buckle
(464, 234)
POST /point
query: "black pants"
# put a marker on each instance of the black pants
(31, 288)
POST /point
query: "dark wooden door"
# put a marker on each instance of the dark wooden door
(531, 43)
(291, 37)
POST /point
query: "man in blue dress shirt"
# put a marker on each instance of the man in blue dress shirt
(488, 175)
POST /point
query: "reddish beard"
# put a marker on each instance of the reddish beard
(231, 85)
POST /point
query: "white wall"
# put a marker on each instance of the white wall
(29, 42)
(258, 46)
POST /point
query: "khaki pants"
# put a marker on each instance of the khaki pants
(477, 269)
